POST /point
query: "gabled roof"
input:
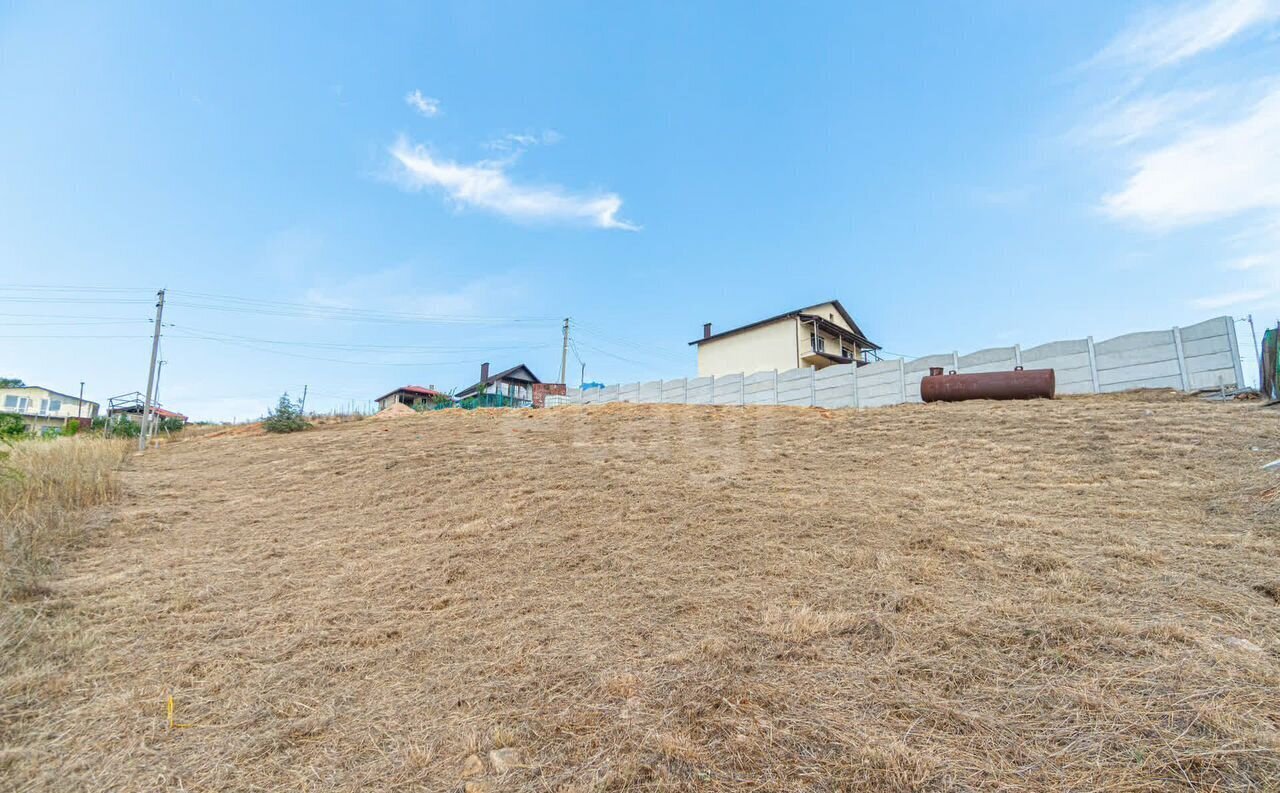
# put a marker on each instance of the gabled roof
(493, 378)
(800, 312)
(412, 389)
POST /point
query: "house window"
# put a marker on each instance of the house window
(10, 401)
(845, 352)
(819, 344)
(55, 405)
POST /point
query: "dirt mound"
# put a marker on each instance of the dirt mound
(397, 410)
(1042, 596)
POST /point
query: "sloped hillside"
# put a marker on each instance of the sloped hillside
(1078, 594)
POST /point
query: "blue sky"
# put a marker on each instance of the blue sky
(959, 175)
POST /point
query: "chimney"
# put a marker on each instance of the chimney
(706, 330)
(484, 371)
(431, 387)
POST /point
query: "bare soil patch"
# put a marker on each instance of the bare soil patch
(1077, 594)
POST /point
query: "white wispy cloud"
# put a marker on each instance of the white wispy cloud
(1229, 299)
(486, 185)
(425, 105)
(1209, 172)
(519, 141)
(1124, 121)
(1163, 38)
(1199, 156)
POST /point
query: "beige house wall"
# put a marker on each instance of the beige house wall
(772, 346)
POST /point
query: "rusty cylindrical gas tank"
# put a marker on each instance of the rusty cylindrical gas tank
(1018, 384)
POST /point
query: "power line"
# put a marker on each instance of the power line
(356, 347)
(250, 346)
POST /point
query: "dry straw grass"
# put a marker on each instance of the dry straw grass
(44, 488)
(1067, 595)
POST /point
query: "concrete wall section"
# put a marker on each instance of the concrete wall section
(836, 386)
(795, 387)
(1138, 360)
(1209, 355)
(993, 359)
(727, 389)
(760, 388)
(915, 371)
(879, 384)
(1069, 361)
(675, 392)
(649, 392)
(699, 391)
(629, 392)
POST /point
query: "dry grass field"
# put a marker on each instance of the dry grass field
(1069, 595)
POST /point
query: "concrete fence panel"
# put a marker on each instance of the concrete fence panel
(650, 392)
(795, 387)
(993, 359)
(1210, 354)
(836, 386)
(675, 392)
(609, 394)
(629, 392)
(1138, 360)
(699, 391)
(1069, 361)
(879, 384)
(760, 388)
(915, 371)
(726, 389)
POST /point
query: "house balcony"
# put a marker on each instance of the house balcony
(819, 359)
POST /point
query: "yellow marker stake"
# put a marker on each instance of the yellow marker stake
(172, 724)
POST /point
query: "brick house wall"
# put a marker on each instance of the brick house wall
(540, 391)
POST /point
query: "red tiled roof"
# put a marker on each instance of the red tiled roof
(412, 389)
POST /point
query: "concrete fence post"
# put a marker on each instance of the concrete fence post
(711, 392)
(1017, 355)
(902, 381)
(955, 360)
(1182, 359)
(1093, 366)
(855, 385)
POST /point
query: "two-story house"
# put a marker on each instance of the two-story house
(41, 408)
(819, 336)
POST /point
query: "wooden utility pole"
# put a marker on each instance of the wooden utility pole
(564, 351)
(302, 406)
(80, 404)
(151, 373)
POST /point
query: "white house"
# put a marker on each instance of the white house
(43, 407)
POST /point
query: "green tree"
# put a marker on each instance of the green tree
(11, 427)
(11, 382)
(287, 417)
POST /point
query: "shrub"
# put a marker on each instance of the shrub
(11, 427)
(117, 427)
(72, 428)
(172, 425)
(287, 417)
